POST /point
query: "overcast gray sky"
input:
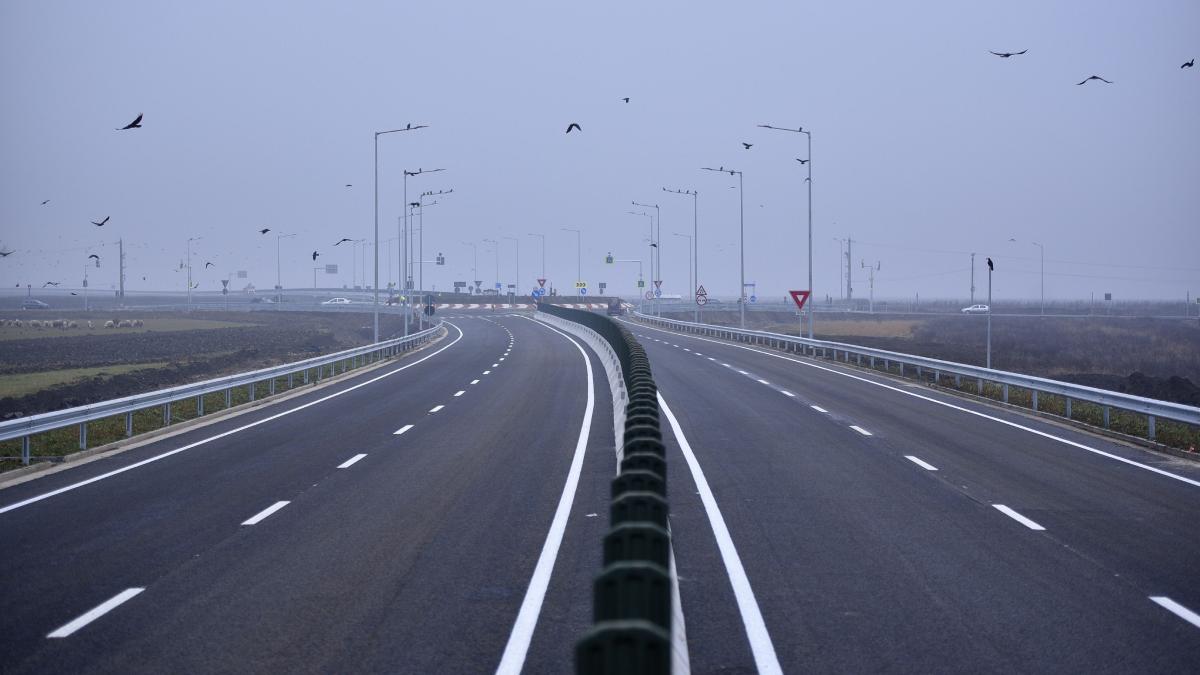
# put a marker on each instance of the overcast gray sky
(925, 146)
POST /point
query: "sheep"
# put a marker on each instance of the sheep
(90, 326)
(18, 323)
(35, 323)
(125, 323)
(138, 323)
(109, 324)
(72, 324)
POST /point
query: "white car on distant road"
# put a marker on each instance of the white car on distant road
(337, 301)
(976, 309)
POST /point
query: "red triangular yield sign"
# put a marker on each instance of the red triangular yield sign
(658, 284)
(541, 283)
(799, 297)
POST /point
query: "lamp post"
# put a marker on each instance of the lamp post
(989, 316)
(639, 263)
(516, 261)
(578, 257)
(657, 253)
(653, 244)
(407, 252)
(189, 268)
(534, 234)
(1042, 249)
(408, 127)
(808, 163)
(695, 241)
(691, 283)
(496, 246)
(421, 245)
(741, 237)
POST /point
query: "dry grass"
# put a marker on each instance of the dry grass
(153, 325)
(19, 384)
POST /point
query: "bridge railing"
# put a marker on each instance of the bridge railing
(987, 380)
(314, 369)
(632, 597)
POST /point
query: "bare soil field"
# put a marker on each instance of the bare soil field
(168, 350)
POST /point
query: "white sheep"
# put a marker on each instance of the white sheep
(17, 323)
(125, 323)
(90, 326)
(72, 324)
(35, 323)
(138, 323)
(109, 324)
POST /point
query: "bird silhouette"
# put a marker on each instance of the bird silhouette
(1189, 64)
(802, 161)
(45, 202)
(626, 99)
(5, 254)
(342, 240)
(74, 293)
(50, 283)
(748, 145)
(136, 124)
(264, 230)
(990, 265)
(315, 254)
(208, 265)
(1005, 55)
(573, 125)
(101, 223)
(94, 256)
(409, 126)
(349, 185)
(1093, 77)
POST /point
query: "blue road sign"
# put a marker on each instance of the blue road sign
(754, 298)
(583, 291)
(658, 292)
(497, 285)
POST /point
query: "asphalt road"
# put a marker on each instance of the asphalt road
(882, 525)
(310, 536)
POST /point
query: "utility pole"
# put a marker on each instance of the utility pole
(121, 278)
(849, 272)
(989, 319)
(863, 263)
(972, 279)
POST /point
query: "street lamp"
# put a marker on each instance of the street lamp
(641, 282)
(189, 268)
(741, 236)
(808, 162)
(516, 262)
(695, 241)
(496, 246)
(578, 257)
(421, 245)
(653, 245)
(690, 282)
(407, 249)
(408, 127)
(657, 252)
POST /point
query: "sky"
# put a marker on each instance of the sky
(925, 147)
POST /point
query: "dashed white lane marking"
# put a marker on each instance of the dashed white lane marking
(726, 365)
(711, 359)
(1017, 517)
(474, 381)
(1177, 609)
(742, 372)
(501, 358)
(818, 408)
(785, 392)
(919, 462)
(262, 515)
(350, 462)
(756, 629)
(860, 430)
(763, 382)
(686, 349)
(95, 613)
(460, 393)
(436, 408)
(402, 429)
(487, 372)
(496, 365)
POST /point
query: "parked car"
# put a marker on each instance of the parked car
(30, 303)
(976, 309)
(337, 301)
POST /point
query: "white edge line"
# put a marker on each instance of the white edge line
(785, 392)
(67, 488)
(350, 462)
(861, 430)
(818, 408)
(519, 639)
(1177, 609)
(921, 463)
(262, 515)
(761, 646)
(95, 613)
(959, 408)
(1018, 517)
(402, 429)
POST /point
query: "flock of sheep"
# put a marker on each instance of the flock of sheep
(67, 324)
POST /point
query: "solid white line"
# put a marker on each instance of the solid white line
(726, 365)
(1018, 517)
(1177, 609)
(860, 430)
(474, 381)
(436, 408)
(818, 408)
(756, 629)
(262, 515)
(711, 358)
(513, 659)
(402, 429)
(959, 408)
(350, 462)
(920, 463)
(459, 393)
(742, 372)
(763, 382)
(785, 392)
(73, 486)
(96, 612)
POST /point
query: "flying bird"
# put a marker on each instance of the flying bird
(626, 99)
(94, 256)
(101, 223)
(1189, 64)
(349, 185)
(342, 240)
(748, 145)
(45, 202)
(50, 283)
(264, 230)
(136, 124)
(208, 265)
(1005, 55)
(74, 293)
(315, 254)
(573, 125)
(5, 254)
(802, 161)
(1093, 77)
(991, 267)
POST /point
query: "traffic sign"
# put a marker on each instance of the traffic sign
(658, 292)
(582, 291)
(602, 287)
(641, 284)
(754, 298)
(580, 284)
(658, 283)
(541, 283)
(701, 291)
(497, 285)
(649, 295)
(608, 258)
(799, 297)
(701, 300)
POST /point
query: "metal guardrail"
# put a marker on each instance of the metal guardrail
(25, 427)
(1108, 400)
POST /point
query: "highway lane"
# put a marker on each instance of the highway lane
(420, 535)
(861, 558)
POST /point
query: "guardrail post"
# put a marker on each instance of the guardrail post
(979, 386)
(1150, 427)
(83, 435)
(252, 388)
(1035, 400)
(858, 359)
(271, 388)
(200, 405)
(25, 450)
(290, 380)
(1068, 408)
(901, 369)
(958, 381)
(228, 398)
(1106, 417)
(872, 362)
(919, 373)
(1005, 393)
(128, 424)
(306, 376)
(166, 414)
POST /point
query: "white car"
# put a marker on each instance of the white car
(337, 301)
(976, 309)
